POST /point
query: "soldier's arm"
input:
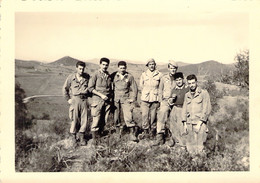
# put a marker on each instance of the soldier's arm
(141, 82)
(184, 110)
(160, 90)
(66, 88)
(206, 107)
(133, 89)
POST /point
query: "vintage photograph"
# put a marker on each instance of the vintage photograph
(132, 92)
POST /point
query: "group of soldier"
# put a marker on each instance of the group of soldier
(169, 105)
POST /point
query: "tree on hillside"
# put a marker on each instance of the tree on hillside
(241, 74)
(21, 119)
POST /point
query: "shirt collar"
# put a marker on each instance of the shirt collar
(179, 88)
(197, 92)
(154, 73)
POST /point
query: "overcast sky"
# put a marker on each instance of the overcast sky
(188, 37)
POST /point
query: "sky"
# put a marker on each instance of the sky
(190, 37)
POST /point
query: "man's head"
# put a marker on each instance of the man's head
(192, 82)
(178, 77)
(151, 64)
(172, 67)
(104, 63)
(80, 66)
(122, 67)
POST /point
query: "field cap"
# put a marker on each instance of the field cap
(150, 60)
(173, 63)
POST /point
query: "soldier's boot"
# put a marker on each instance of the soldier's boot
(152, 134)
(95, 138)
(82, 140)
(73, 138)
(132, 135)
(119, 131)
(159, 139)
(144, 135)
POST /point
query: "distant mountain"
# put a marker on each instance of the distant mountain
(65, 61)
(210, 67)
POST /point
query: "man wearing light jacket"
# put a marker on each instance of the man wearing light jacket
(195, 113)
(149, 85)
(125, 93)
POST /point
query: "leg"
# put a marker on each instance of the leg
(117, 114)
(128, 114)
(153, 112)
(96, 112)
(145, 115)
(176, 125)
(202, 136)
(84, 116)
(162, 117)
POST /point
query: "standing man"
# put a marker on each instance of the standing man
(149, 85)
(75, 91)
(125, 93)
(166, 85)
(100, 86)
(195, 113)
(176, 125)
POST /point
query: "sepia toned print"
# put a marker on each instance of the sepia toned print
(142, 136)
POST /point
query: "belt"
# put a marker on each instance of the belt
(178, 105)
(81, 96)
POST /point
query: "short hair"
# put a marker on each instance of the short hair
(81, 64)
(191, 77)
(104, 59)
(121, 63)
(178, 75)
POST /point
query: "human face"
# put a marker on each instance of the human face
(104, 66)
(80, 70)
(179, 82)
(151, 66)
(172, 69)
(192, 84)
(122, 69)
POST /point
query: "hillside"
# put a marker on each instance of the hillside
(205, 68)
(48, 78)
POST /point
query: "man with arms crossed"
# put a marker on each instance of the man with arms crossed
(125, 93)
(195, 113)
(75, 91)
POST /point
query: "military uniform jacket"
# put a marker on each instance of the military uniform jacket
(149, 84)
(196, 108)
(124, 88)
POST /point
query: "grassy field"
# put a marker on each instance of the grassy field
(45, 146)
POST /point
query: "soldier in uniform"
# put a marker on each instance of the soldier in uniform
(100, 85)
(195, 113)
(125, 93)
(149, 85)
(166, 85)
(75, 91)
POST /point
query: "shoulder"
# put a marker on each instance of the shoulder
(112, 76)
(130, 76)
(95, 74)
(86, 75)
(71, 76)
